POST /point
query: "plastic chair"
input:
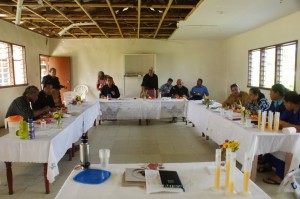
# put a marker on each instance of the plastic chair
(69, 96)
(82, 90)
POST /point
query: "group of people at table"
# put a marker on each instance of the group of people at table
(34, 103)
(286, 102)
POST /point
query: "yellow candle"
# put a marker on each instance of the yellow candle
(246, 182)
(217, 177)
(276, 126)
(227, 167)
(231, 187)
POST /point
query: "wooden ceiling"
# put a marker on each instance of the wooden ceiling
(151, 19)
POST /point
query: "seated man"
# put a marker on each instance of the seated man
(236, 97)
(23, 105)
(110, 89)
(166, 88)
(45, 98)
(179, 92)
(198, 91)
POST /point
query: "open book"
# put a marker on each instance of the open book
(163, 181)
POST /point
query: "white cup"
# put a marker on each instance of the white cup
(43, 125)
(248, 122)
(104, 158)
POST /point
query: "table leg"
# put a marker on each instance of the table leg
(207, 137)
(147, 122)
(99, 122)
(203, 135)
(9, 178)
(254, 168)
(47, 186)
(288, 160)
(70, 152)
(140, 122)
(94, 122)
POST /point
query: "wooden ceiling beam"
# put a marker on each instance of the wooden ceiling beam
(82, 8)
(114, 16)
(62, 14)
(163, 17)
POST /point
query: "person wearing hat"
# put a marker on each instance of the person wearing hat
(166, 88)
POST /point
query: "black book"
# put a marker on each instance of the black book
(170, 179)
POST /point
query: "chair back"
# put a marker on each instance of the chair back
(82, 90)
(69, 96)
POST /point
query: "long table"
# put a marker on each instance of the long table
(252, 140)
(197, 179)
(128, 109)
(50, 145)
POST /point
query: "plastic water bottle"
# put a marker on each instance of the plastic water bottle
(31, 130)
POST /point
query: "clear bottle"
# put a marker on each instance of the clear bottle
(31, 129)
(84, 152)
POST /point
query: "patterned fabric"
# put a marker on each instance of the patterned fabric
(262, 105)
(20, 106)
(243, 97)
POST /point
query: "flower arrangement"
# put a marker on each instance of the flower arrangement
(57, 116)
(144, 94)
(244, 113)
(234, 145)
(77, 100)
(206, 100)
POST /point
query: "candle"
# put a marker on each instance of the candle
(218, 169)
(227, 167)
(232, 174)
(263, 120)
(276, 121)
(258, 118)
(270, 120)
(247, 169)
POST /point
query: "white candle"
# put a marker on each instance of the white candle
(270, 120)
(218, 169)
(276, 121)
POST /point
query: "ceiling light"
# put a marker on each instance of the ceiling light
(21, 22)
(63, 31)
(160, 11)
(117, 11)
(31, 28)
(152, 9)
(3, 15)
(124, 9)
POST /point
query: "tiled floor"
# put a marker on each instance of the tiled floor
(129, 143)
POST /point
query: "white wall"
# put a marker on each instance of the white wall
(236, 48)
(35, 45)
(188, 60)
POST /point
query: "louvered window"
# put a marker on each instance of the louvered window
(273, 64)
(12, 65)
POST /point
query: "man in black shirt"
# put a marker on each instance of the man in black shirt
(150, 83)
(45, 98)
(179, 91)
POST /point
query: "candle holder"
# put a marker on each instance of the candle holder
(247, 170)
(258, 119)
(218, 169)
(230, 190)
(227, 167)
(276, 121)
(270, 120)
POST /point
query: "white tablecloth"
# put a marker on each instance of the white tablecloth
(127, 109)
(252, 140)
(195, 177)
(50, 145)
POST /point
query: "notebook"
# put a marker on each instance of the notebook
(170, 179)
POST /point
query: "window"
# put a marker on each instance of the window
(12, 65)
(273, 64)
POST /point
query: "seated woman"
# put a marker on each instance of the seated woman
(257, 101)
(277, 95)
(289, 118)
(110, 89)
